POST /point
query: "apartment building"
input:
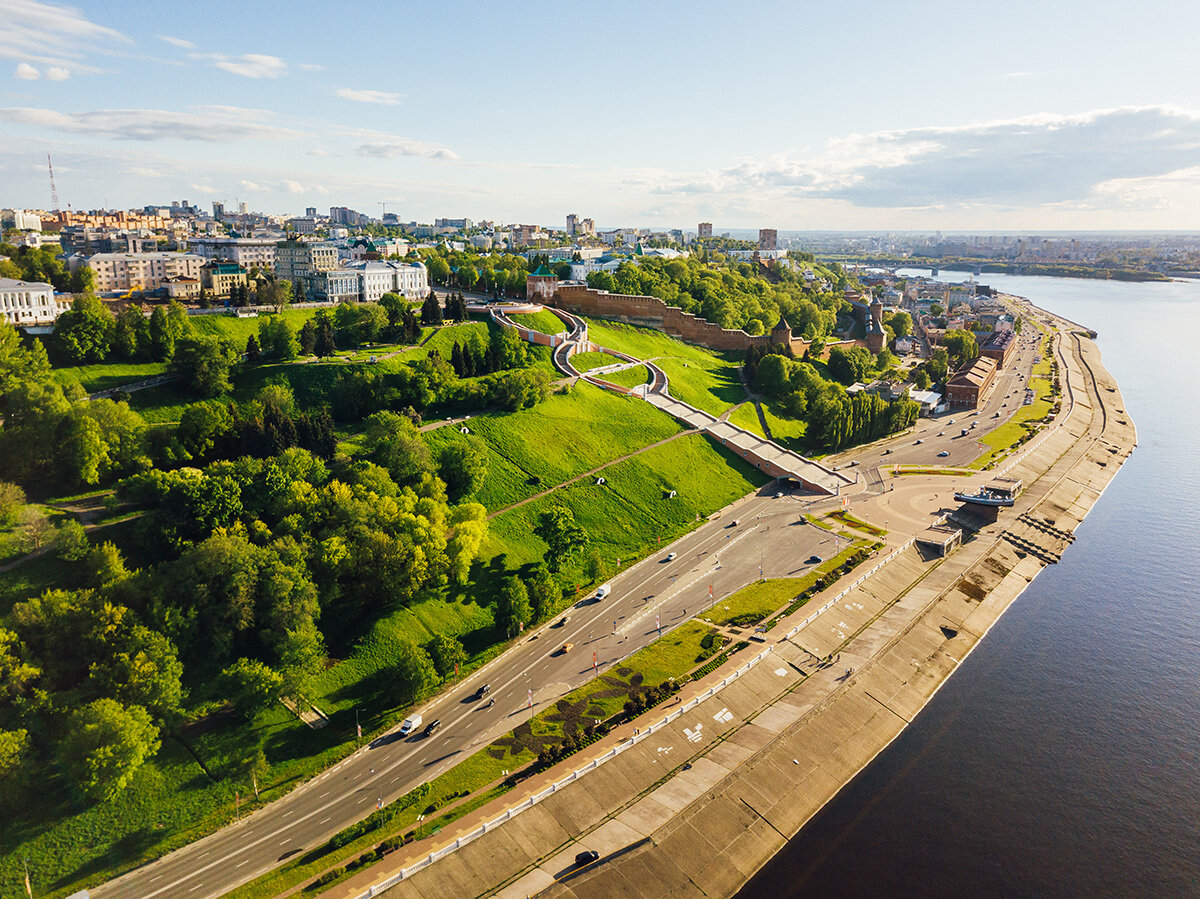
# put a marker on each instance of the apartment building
(248, 252)
(219, 278)
(295, 259)
(138, 271)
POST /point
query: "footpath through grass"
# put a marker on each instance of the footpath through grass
(107, 375)
(568, 434)
(584, 362)
(628, 377)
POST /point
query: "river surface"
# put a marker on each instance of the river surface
(1063, 758)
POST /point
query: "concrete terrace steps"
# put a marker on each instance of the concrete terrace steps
(766, 455)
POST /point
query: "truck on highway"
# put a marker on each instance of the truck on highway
(603, 590)
(410, 724)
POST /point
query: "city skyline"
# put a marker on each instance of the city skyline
(633, 115)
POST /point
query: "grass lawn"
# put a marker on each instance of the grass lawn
(105, 376)
(587, 361)
(556, 440)
(712, 387)
(163, 404)
(858, 524)
(629, 515)
(1006, 436)
(628, 377)
(745, 417)
(645, 343)
(545, 321)
(788, 432)
(762, 598)
(239, 330)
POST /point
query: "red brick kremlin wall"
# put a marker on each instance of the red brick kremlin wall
(653, 312)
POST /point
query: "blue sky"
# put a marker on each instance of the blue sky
(871, 116)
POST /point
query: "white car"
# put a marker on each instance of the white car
(779, 495)
(670, 557)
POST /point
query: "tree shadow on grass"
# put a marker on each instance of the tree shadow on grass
(133, 845)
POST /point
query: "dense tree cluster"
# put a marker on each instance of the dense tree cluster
(734, 294)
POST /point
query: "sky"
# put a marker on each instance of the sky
(1021, 116)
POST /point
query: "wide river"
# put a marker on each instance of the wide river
(1063, 758)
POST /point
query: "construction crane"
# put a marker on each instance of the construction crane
(53, 189)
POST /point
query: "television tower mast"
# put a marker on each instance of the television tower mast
(53, 189)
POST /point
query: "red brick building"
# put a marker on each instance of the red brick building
(970, 384)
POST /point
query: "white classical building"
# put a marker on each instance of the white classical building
(28, 302)
(138, 271)
(366, 282)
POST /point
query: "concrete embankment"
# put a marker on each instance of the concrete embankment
(700, 805)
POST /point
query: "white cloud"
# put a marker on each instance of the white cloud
(57, 73)
(53, 35)
(205, 189)
(251, 186)
(392, 149)
(251, 65)
(143, 172)
(209, 124)
(369, 96)
(311, 67)
(26, 72)
(177, 42)
(293, 187)
(1036, 160)
(319, 152)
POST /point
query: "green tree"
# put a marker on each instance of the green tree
(204, 364)
(250, 686)
(308, 337)
(961, 345)
(446, 652)
(131, 334)
(463, 465)
(277, 338)
(104, 745)
(144, 672)
(413, 673)
(512, 606)
(84, 333)
(162, 336)
(253, 353)
(543, 591)
(323, 341)
(12, 501)
(563, 537)
(301, 658)
(469, 524)
(70, 541)
(431, 310)
(438, 269)
(393, 442)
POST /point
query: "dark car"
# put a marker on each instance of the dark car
(484, 690)
(432, 726)
(586, 858)
(813, 560)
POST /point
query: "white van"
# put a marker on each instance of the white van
(410, 724)
(603, 590)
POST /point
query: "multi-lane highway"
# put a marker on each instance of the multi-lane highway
(726, 553)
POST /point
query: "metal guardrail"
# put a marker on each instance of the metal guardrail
(531, 801)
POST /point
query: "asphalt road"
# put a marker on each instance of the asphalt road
(537, 672)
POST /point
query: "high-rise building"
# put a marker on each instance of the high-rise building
(218, 210)
(704, 229)
(588, 227)
(241, 208)
(310, 212)
(768, 238)
(572, 224)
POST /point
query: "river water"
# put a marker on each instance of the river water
(1063, 758)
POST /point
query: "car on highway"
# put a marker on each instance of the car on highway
(887, 452)
(586, 857)
(562, 621)
(941, 433)
(567, 647)
(943, 454)
(483, 691)
(813, 560)
(432, 726)
(779, 495)
(670, 557)
(951, 421)
(918, 442)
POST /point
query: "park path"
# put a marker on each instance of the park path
(592, 473)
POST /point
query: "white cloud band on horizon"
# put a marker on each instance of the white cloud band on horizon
(208, 124)
(53, 35)
(1033, 160)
